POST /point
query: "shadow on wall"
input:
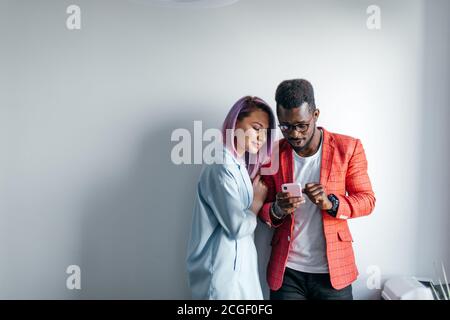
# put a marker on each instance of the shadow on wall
(432, 245)
(136, 224)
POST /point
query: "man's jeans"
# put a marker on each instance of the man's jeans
(299, 285)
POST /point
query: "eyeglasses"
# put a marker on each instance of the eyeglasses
(302, 127)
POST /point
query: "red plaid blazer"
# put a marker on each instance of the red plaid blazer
(344, 173)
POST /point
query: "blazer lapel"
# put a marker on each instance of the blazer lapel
(287, 168)
(327, 157)
(287, 161)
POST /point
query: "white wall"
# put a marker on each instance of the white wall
(86, 118)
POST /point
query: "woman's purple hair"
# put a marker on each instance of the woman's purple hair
(241, 109)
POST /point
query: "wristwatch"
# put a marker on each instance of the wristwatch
(272, 209)
(334, 209)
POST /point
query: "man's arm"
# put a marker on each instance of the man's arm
(360, 198)
(265, 214)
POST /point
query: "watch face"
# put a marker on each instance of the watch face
(335, 201)
(335, 205)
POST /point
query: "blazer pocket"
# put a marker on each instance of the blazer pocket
(345, 236)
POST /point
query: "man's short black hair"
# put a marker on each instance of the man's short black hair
(292, 94)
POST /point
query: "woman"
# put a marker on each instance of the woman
(222, 257)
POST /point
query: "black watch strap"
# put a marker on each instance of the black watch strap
(274, 213)
(334, 209)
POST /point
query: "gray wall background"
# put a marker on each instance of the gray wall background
(86, 118)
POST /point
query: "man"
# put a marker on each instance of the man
(312, 255)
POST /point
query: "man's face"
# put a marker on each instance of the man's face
(299, 137)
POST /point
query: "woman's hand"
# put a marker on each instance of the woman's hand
(259, 194)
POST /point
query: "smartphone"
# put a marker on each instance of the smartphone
(295, 189)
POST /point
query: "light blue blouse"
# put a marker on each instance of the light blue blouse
(222, 258)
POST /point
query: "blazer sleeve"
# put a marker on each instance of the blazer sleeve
(360, 199)
(220, 190)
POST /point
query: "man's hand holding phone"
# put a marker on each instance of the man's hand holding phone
(288, 200)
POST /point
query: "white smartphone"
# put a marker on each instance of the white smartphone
(295, 189)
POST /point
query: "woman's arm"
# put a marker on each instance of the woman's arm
(219, 188)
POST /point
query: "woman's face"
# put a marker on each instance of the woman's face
(255, 127)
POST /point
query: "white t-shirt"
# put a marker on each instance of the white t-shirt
(308, 247)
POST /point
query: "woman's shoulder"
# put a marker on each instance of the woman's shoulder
(227, 168)
(218, 170)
